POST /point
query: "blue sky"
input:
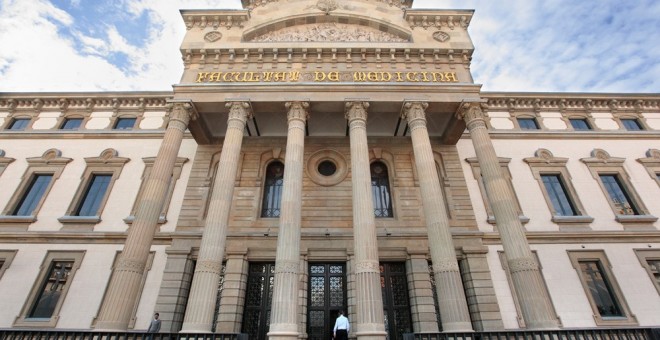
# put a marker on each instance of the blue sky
(521, 45)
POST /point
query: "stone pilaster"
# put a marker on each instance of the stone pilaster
(369, 301)
(454, 311)
(284, 311)
(422, 303)
(204, 289)
(233, 295)
(525, 273)
(124, 286)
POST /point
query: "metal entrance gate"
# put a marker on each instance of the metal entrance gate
(256, 316)
(327, 296)
(396, 304)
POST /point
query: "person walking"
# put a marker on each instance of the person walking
(154, 326)
(342, 327)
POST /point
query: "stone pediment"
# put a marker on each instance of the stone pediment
(322, 28)
(328, 32)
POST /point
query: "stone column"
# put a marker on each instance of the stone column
(369, 300)
(284, 311)
(454, 311)
(123, 288)
(526, 276)
(204, 289)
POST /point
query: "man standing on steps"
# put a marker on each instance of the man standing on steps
(154, 326)
(342, 327)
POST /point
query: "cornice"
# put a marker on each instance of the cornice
(586, 237)
(91, 101)
(252, 4)
(286, 56)
(568, 135)
(438, 19)
(571, 102)
(215, 18)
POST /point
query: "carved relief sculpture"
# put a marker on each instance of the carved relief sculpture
(330, 32)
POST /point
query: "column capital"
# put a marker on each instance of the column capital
(414, 110)
(297, 110)
(471, 111)
(356, 110)
(240, 110)
(182, 112)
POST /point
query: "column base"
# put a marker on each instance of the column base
(280, 335)
(457, 327)
(371, 335)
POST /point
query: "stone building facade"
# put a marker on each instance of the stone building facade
(320, 156)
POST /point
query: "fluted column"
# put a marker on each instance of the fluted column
(454, 311)
(525, 273)
(204, 288)
(369, 299)
(123, 289)
(284, 311)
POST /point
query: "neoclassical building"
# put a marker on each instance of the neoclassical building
(319, 156)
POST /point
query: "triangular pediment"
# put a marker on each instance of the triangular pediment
(323, 28)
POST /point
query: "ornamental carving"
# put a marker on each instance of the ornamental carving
(523, 264)
(441, 36)
(213, 36)
(367, 267)
(445, 265)
(213, 267)
(414, 110)
(327, 6)
(297, 110)
(130, 265)
(356, 110)
(330, 32)
(287, 267)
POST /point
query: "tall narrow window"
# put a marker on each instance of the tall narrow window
(650, 260)
(380, 190)
(272, 197)
(557, 193)
(51, 289)
(94, 195)
(33, 195)
(600, 289)
(618, 196)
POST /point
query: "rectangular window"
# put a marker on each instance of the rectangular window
(556, 191)
(19, 124)
(51, 290)
(528, 124)
(631, 124)
(600, 289)
(33, 195)
(580, 124)
(618, 195)
(94, 195)
(124, 124)
(657, 176)
(71, 124)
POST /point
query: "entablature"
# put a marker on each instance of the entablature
(560, 102)
(215, 19)
(426, 18)
(108, 101)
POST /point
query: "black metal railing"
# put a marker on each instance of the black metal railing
(563, 334)
(54, 334)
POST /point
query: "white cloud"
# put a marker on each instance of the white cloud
(521, 45)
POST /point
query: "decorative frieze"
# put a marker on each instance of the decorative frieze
(326, 5)
(89, 102)
(432, 19)
(215, 19)
(563, 104)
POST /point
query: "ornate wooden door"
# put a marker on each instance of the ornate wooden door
(396, 304)
(258, 297)
(327, 296)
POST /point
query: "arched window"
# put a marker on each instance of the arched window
(270, 206)
(380, 189)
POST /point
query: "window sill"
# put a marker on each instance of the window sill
(636, 218)
(630, 320)
(36, 322)
(572, 219)
(130, 219)
(17, 219)
(80, 219)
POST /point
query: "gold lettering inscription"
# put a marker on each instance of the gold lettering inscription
(321, 76)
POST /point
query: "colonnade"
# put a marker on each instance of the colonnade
(369, 320)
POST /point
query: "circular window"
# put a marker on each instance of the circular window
(327, 168)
